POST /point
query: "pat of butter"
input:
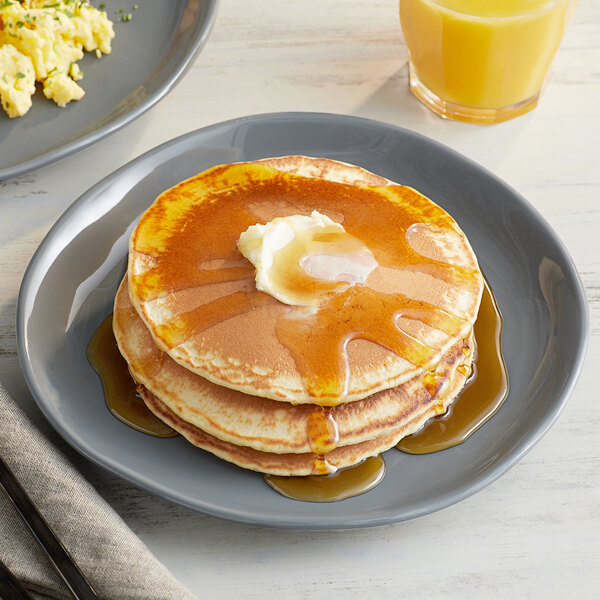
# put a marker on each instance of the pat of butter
(298, 259)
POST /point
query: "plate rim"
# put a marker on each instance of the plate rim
(198, 41)
(302, 521)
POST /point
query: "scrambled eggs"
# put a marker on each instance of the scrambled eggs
(42, 40)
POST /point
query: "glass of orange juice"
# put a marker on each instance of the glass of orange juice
(482, 61)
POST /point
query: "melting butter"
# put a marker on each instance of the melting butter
(299, 259)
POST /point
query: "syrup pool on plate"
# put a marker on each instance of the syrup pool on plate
(120, 390)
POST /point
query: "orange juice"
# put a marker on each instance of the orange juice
(481, 60)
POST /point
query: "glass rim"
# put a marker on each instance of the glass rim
(549, 5)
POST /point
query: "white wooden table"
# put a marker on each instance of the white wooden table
(535, 533)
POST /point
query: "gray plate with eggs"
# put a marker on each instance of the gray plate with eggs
(149, 56)
(69, 286)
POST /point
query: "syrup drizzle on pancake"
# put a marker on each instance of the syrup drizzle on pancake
(435, 383)
(323, 436)
(207, 230)
(318, 342)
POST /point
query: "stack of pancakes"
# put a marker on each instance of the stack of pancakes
(284, 389)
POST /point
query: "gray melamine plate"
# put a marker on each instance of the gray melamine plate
(69, 287)
(150, 54)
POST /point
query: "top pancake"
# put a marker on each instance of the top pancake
(195, 291)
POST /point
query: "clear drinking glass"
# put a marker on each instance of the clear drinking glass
(482, 61)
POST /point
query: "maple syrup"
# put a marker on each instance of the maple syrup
(323, 437)
(317, 339)
(483, 394)
(120, 389)
(345, 483)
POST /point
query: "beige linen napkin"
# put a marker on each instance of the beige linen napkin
(116, 563)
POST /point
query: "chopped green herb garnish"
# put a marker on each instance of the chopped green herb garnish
(5, 4)
(20, 24)
(20, 75)
(135, 7)
(51, 5)
(102, 5)
(127, 17)
(120, 10)
(51, 71)
(4, 78)
(69, 13)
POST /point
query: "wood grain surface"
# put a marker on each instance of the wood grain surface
(535, 533)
